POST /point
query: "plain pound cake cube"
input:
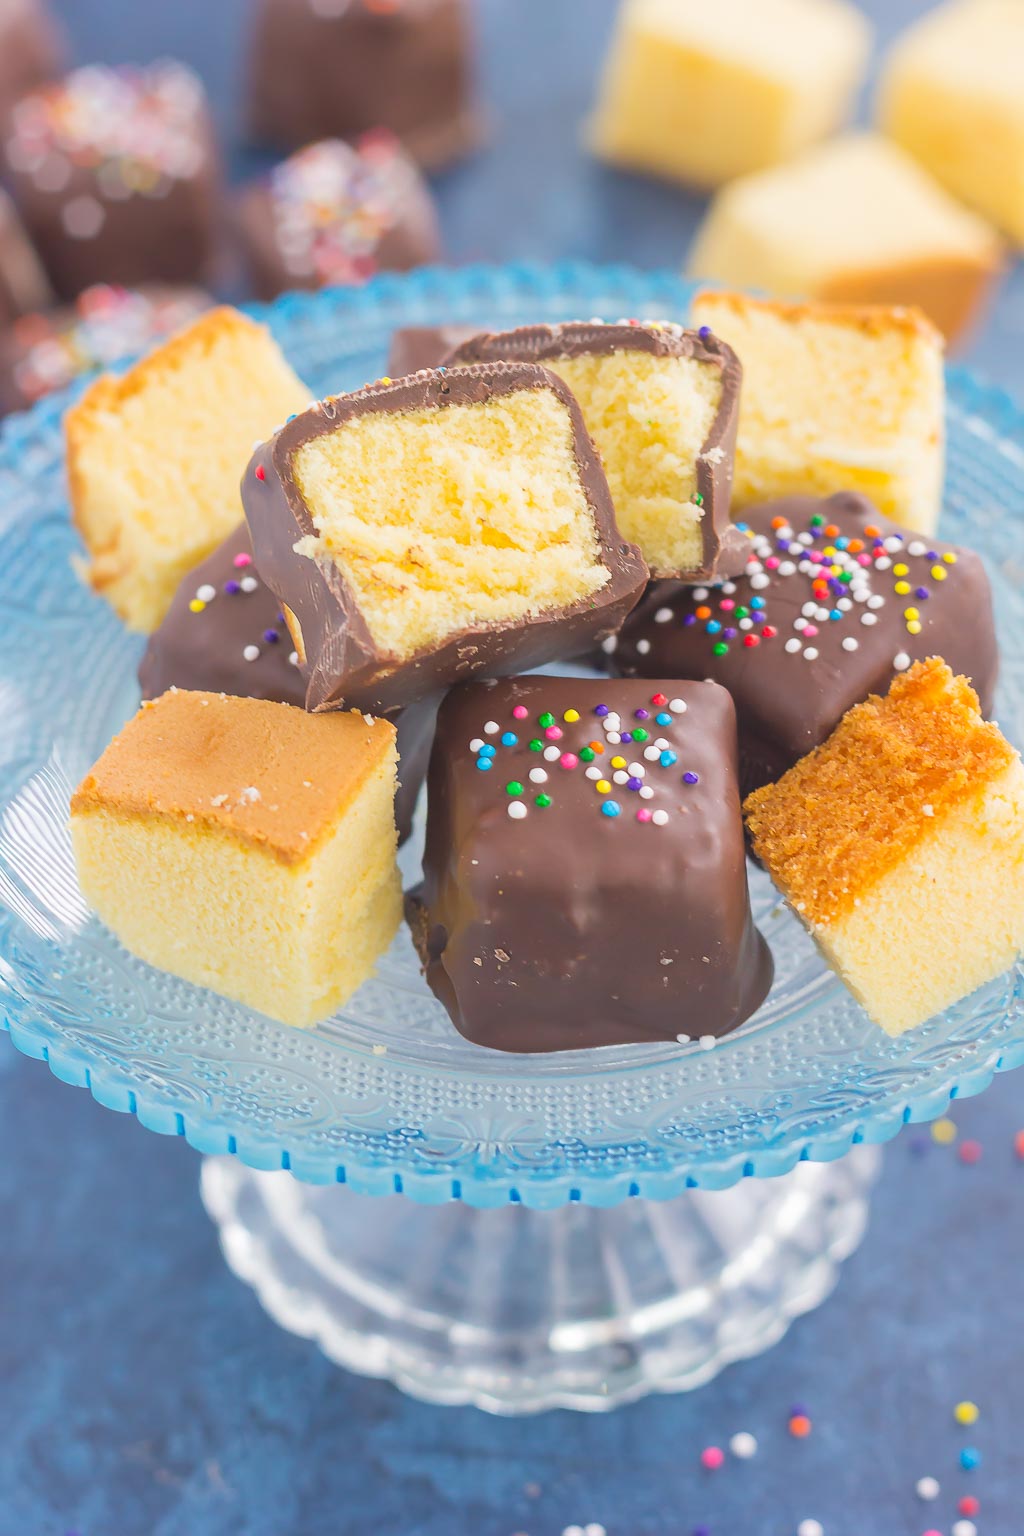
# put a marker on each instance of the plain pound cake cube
(836, 397)
(856, 221)
(900, 844)
(155, 457)
(701, 93)
(246, 846)
(952, 93)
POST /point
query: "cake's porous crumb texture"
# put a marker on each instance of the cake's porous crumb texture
(851, 811)
(485, 519)
(836, 397)
(156, 456)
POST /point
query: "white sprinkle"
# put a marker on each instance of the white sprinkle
(662, 744)
(743, 1445)
(964, 1528)
(844, 604)
(867, 619)
(728, 588)
(745, 624)
(822, 615)
(251, 653)
(609, 643)
(646, 793)
(927, 1488)
(620, 777)
(660, 818)
(516, 809)
(707, 1042)
(662, 615)
(294, 658)
(248, 583)
(476, 744)
(652, 754)
(806, 539)
(760, 581)
(901, 661)
(677, 706)
(593, 1529)
(811, 653)
(876, 601)
(927, 810)
(250, 796)
(552, 754)
(699, 594)
(538, 776)
(219, 800)
(915, 547)
(491, 728)
(83, 218)
(787, 568)
(637, 770)
(683, 1039)
(810, 1528)
(850, 644)
(206, 593)
(380, 1050)
(612, 738)
(809, 610)
(593, 772)
(800, 623)
(642, 647)
(882, 563)
(794, 645)
(612, 721)
(893, 544)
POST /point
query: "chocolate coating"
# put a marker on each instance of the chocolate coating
(31, 50)
(336, 213)
(115, 175)
(423, 346)
(344, 664)
(205, 652)
(23, 283)
(724, 551)
(562, 926)
(787, 700)
(334, 68)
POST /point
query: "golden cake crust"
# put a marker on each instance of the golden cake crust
(871, 319)
(853, 809)
(266, 774)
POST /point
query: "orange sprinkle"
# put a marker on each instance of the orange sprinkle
(832, 531)
(703, 613)
(800, 1426)
(597, 746)
(778, 522)
(855, 546)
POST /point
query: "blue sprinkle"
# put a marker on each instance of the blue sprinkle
(970, 1458)
(509, 739)
(667, 758)
(610, 808)
(713, 626)
(601, 710)
(634, 783)
(663, 719)
(743, 527)
(923, 593)
(483, 763)
(691, 618)
(271, 636)
(691, 778)
(757, 602)
(626, 736)
(488, 751)
(704, 332)
(836, 615)
(730, 633)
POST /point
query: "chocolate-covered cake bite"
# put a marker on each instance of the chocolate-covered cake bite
(336, 213)
(45, 351)
(439, 527)
(584, 876)
(23, 283)
(31, 50)
(662, 405)
(325, 68)
(835, 601)
(424, 346)
(224, 633)
(115, 175)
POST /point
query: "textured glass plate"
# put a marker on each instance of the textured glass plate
(387, 1095)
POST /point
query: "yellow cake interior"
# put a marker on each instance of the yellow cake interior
(441, 519)
(835, 398)
(155, 457)
(650, 417)
(234, 843)
(900, 843)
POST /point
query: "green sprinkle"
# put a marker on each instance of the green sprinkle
(639, 734)
(586, 754)
(513, 787)
(698, 500)
(817, 521)
(543, 801)
(536, 745)
(743, 613)
(546, 719)
(721, 649)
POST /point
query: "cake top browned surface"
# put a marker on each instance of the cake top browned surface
(872, 319)
(855, 807)
(267, 774)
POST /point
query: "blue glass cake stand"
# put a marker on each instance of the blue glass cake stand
(516, 1232)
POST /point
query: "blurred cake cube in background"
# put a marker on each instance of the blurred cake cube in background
(334, 68)
(702, 92)
(31, 50)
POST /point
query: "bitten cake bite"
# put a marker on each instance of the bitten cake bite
(23, 283)
(333, 68)
(444, 525)
(900, 844)
(31, 50)
(337, 213)
(836, 397)
(952, 95)
(661, 404)
(114, 172)
(702, 93)
(424, 346)
(855, 221)
(45, 351)
(835, 601)
(245, 846)
(225, 633)
(584, 875)
(155, 456)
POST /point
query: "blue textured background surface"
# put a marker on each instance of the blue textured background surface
(142, 1390)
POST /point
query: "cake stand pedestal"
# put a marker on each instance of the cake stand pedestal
(516, 1309)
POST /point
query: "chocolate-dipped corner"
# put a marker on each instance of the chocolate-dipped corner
(343, 663)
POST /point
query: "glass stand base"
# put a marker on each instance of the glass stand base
(517, 1310)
